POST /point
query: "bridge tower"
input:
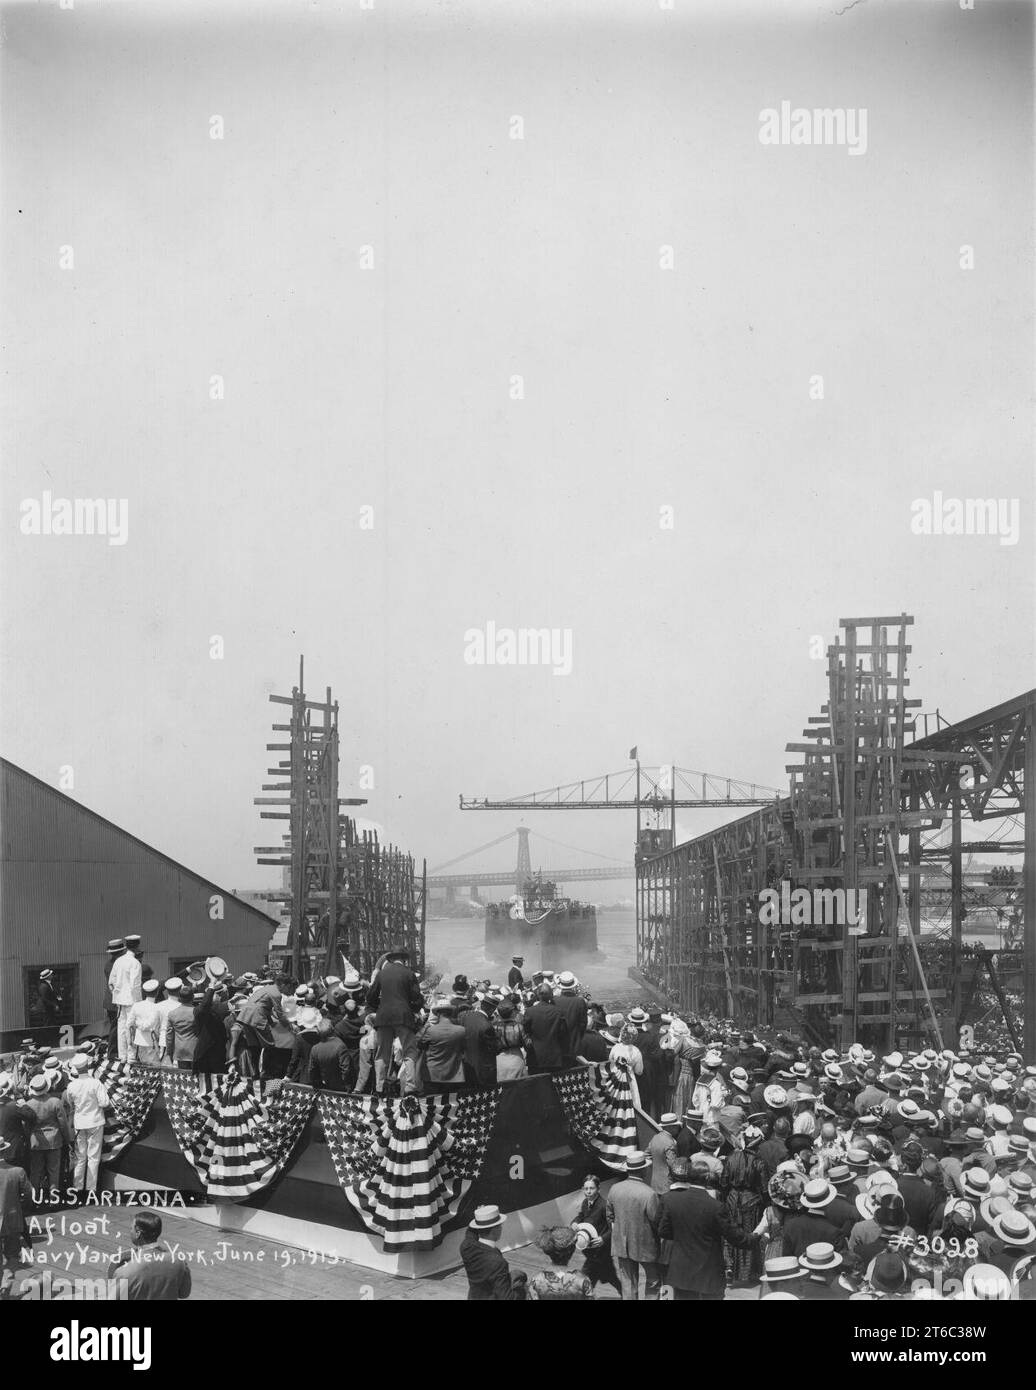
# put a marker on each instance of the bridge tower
(524, 870)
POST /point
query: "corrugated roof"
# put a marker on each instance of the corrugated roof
(7, 766)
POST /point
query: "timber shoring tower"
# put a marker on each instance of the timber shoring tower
(349, 897)
(859, 787)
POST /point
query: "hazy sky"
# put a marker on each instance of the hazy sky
(390, 387)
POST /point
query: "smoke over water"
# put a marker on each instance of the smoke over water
(457, 946)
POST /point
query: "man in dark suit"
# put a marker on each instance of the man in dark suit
(812, 1225)
(489, 1276)
(547, 1032)
(444, 1044)
(696, 1224)
(919, 1196)
(572, 1007)
(14, 1194)
(395, 998)
(150, 1273)
(515, 979)
(479, 1044)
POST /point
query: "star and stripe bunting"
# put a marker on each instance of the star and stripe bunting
(406, 1164)
(598, 1105)
(236, 1132)
(132, 1089)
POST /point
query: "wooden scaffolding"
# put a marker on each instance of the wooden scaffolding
(700, 934)
(348, 898)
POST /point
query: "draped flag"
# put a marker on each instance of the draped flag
(236, 1132)
(132, 1089)
(406, 1164)
(598, 1105)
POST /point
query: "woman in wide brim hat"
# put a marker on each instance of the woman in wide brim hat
(744, 1181)
(784, 1191)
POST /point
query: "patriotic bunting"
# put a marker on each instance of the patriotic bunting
(237, 1132)
(598, 1105)
(406, 1164)
(132, 1089)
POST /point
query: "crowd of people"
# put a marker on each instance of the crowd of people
(810, 1173)
(807, 1173)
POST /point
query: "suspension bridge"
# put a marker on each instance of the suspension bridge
(606, 868)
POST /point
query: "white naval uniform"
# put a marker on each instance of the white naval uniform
(124, 983)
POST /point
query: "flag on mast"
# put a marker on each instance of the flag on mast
(633, 753)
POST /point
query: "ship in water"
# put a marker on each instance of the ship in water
(549, 930)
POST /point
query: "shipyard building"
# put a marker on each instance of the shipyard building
(70, 881)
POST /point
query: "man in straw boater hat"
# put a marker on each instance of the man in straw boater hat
(811, 1224)
(49, 1136)
(820, 1263)
(395, 998)
(572, 1007)
(781, 1274)
(634, 1212)
(87, 1100)
(662, 1149)
(490, 1279)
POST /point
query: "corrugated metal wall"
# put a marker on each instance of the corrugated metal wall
(70, 880)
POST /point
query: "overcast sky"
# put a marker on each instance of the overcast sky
(391, 387)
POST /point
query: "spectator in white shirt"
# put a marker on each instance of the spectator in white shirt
(165, 1007)
(87, 1100)
(124, 983)
(145, 1026)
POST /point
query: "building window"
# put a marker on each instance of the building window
(53, 1002)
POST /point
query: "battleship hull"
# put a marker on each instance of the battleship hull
(551, 943)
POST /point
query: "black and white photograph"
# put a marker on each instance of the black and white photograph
(517, 635)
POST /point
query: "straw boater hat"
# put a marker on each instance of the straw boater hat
(820, 1256)
(485, 1219)
(780, 1268)
(986, 1283)
(1013, 1228)
(975, 1184)
(740, 1078)
(879, 1183)
(669, 1120)
(46, 974)
(38, 1084)
(817, 1194)
(637, 1161)
(568, 982)
(776, 1097)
